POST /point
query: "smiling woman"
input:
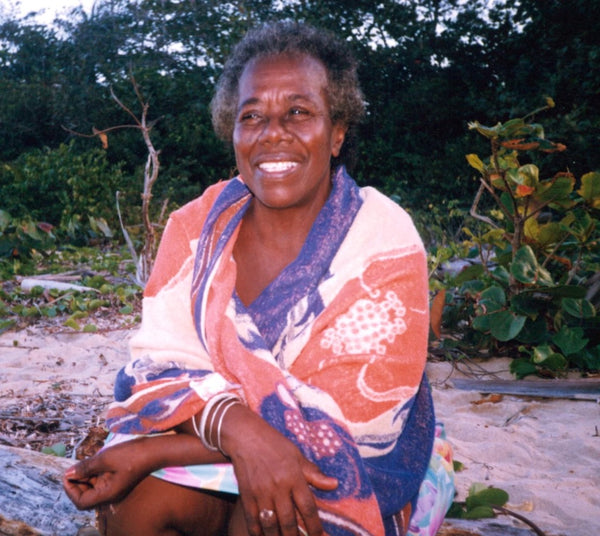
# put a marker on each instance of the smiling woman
(277, 383)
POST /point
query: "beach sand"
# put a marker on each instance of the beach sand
(544, 452)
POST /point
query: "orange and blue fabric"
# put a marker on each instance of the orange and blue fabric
(332, 354)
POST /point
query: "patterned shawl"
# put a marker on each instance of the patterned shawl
(331, 354)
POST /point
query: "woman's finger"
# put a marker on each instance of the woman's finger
(81, 492)
(268, 520)
(317, 479)
(307, 510)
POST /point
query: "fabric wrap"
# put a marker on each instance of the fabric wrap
(331, 354)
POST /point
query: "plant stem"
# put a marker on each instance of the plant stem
(531, 524)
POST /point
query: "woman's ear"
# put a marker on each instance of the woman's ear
(338, 135)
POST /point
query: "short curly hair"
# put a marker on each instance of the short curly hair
(346, 100)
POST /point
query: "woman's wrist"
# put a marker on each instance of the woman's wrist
(208, 426)
(175, 449)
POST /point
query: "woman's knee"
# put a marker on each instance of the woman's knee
(158, 508)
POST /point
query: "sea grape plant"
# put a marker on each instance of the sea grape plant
(533, 292)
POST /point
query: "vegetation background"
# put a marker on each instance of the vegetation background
(428, 68)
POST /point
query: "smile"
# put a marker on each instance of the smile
(276, 167)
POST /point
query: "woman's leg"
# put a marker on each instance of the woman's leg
(237, 521)
(156, 507)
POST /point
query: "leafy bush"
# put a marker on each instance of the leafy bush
(61, 187)
(20, 238)
(530, 293)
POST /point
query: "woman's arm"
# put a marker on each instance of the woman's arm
(113, 472)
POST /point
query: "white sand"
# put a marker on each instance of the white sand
(544, 452)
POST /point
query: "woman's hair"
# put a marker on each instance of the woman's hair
(343, 90)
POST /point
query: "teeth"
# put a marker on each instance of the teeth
(274, 167)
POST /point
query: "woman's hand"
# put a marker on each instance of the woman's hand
(107, 476)
(112, 473)
(272, 475)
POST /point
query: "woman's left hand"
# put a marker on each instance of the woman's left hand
(274, 478)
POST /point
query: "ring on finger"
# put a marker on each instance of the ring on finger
(266, 516)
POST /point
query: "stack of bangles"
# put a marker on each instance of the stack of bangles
(215, 409)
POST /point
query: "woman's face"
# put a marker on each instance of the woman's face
(283, 135)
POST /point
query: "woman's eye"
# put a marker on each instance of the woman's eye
(249, 117)
(298, 111)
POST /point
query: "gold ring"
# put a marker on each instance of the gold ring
(266, 516)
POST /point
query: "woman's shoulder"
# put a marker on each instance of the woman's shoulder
(190, 217)
(385, 214)
(200, 204)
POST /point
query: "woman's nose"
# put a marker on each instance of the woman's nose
(275, 131)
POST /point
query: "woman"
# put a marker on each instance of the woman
(277, 381)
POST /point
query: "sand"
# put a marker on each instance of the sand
(544, 452)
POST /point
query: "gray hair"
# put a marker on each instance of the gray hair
(343, 90)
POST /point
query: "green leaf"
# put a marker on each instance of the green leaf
(475, 162)
(581, 308)
(456, 511)
(457, 466)
(582, 226)
(548, 234)
(522, 367)
(488, 132)
(467, 274)
(526, 269)
(546, 357)
(95, 304)
(472, 287)
(72, 323)
(515, 128)
(527, 175)
(587, 359)
(479, 512)
(501, 274)
(527, 303)
(487, 497)
(556, 191)
(557, 291)
(534, 331)
(506, 325)
(476, 487)
(570, 340)
(590, 189)
(59, 449)
(492, 299)
(481, 323)
(555, 361)
(541, 353)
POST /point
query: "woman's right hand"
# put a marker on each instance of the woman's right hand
(272, 475)
(107, 476)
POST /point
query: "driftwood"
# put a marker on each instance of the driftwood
(571, 389)
(32, 500)
(482, 527)
(27, 284)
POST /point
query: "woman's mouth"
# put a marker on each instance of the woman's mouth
(276, 167)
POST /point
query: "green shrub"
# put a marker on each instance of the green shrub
(530, 294)
(61, 187)
(21, 238)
